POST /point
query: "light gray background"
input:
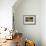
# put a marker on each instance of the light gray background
(6, 17)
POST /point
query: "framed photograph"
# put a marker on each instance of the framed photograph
(29, 19)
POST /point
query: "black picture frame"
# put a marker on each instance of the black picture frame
(29, 19)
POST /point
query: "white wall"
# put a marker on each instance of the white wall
(29, 7)
(39, 28)
(43, 22)
(6, 13)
